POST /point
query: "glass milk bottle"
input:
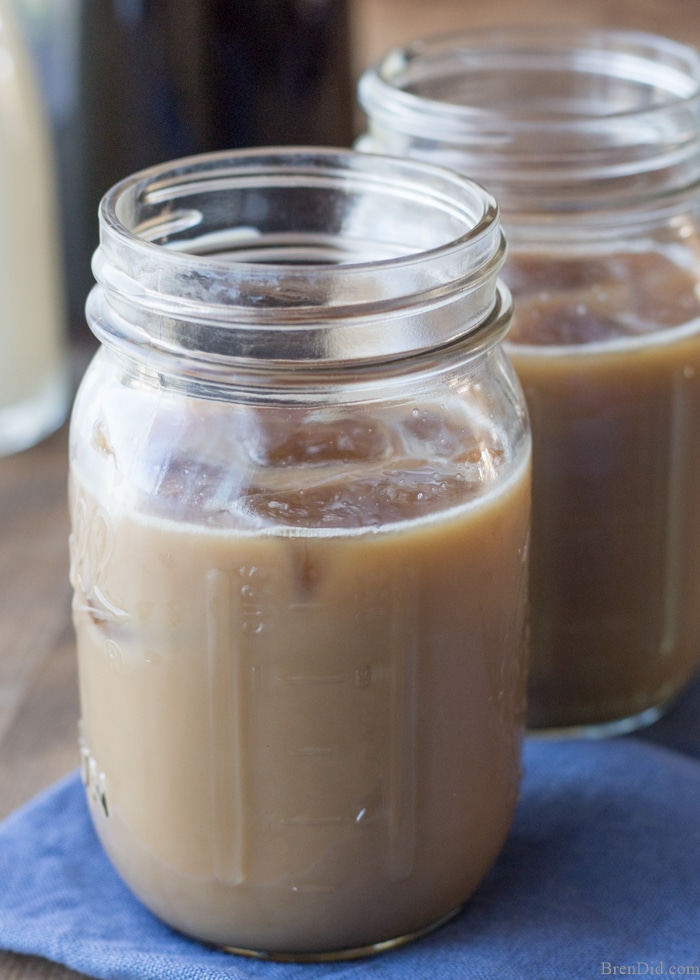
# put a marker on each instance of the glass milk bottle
(300, 512)
(33, 376)
(590, 142)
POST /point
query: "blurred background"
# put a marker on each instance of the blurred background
(130, 83)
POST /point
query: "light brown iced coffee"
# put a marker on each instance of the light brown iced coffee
(300, 711)
(608, 352)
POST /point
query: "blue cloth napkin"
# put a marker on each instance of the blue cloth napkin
(601, 871)
(679, 728)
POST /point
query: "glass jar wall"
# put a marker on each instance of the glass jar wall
(300, 510)
(590, 141)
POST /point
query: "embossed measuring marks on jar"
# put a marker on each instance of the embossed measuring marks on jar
(333, 719)
(93, 779)
(91, 543)
(91, 547)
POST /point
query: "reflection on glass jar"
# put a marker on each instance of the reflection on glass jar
(590, 142)
(300, 504)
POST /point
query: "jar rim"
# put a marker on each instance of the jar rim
(177, 264)
(564, 120)
(638, 56)
(168, 181)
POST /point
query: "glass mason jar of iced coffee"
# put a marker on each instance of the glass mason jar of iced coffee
(300, 521)
(590, 141)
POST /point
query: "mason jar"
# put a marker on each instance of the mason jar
(589, 139)
(300, 521)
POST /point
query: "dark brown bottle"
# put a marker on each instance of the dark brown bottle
(145, 81)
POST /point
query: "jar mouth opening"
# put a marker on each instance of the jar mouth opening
(250, 243)
(561, 121)
(525, 78)
(175, 210)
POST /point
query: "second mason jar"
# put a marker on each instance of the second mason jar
(590, 141)
(300, 520)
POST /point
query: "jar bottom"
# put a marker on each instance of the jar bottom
(353, 953)
(603, 729)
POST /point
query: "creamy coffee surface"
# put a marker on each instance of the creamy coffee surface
(608, 353)
(302, 658)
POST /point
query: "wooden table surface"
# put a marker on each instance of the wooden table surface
(38, 689)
